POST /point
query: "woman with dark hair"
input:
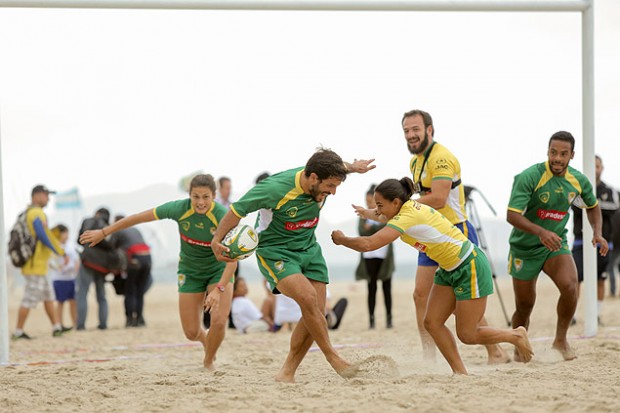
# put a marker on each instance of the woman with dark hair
(376, 265)
(199, 273)
(462, 282)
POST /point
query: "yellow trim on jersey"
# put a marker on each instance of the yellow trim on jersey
(210, 214)
(546, 177)
(293, 193)
(515, 210)
(593, 205)
(264, 264)
(155, 213)
(187, 214)
(573, 181)
(234, 211)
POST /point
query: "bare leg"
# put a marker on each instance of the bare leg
(190, 311)
(561, 269)
(496, 354)
(423, 283)
(50, 311)
(22, 315)
(441, 305)
(470, 330)
(59, 307)
(525, 297)
(219, 322)
(310, 295)
(73, 312)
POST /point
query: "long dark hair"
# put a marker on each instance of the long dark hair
(392, 189)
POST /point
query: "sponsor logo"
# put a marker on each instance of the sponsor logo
(292, 212)
(544, 197)
(552, 215)
(419, 247)
(185, 225)
(309, 223)
(518, 263)
(192, 241)
(181, 280)
(200, 225)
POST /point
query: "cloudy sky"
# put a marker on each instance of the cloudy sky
(115, 100)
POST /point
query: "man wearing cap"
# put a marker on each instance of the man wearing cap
(34, 270)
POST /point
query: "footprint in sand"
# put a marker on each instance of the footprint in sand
(374, 367)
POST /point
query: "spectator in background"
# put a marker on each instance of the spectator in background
(614, 264)
(63, 272)
(376, 265)
(38, 287)
(224, 189)
(246, 317)
(138, 271)
(97, 262)
(608, 200)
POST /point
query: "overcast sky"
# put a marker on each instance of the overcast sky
(115, 100)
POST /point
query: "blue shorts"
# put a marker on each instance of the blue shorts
(64, 290)
(470, 232)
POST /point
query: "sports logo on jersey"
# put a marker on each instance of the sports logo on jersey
(292, 212)
(551, 214)
(544, 197)
(200, 225)
(279, 266)
(441, 164)
(518, 263)
(419, 247)
(309, 223)
(185, 225)
(181, 280)
(559, 190)
(212, 230)
(572, 196)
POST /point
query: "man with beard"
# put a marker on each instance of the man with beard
(538, 210)
(288, 254)
(437, 179)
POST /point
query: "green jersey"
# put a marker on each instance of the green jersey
(295, 214)
(545, 199)
(196, 231)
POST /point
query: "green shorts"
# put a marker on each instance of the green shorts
(526, 265)
(278, 263)
(472, 279)
(197, 282)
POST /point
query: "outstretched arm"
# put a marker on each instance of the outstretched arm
(372, 214)
(363, 244)
(595, 218)
(551, 240)
(361, 166)
(95, 236)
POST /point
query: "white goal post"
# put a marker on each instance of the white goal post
(585, 7)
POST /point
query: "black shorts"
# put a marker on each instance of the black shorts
(601, 263)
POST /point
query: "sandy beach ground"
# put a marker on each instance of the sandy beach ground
(156, 369)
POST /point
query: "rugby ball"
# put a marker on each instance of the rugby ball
(242, 240)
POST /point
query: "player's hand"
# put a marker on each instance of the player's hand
(338, 236)
(92, 237)
(361, 166)
(551, 240)
(365, 213)
(602, 245)
(219, 251)
(212, 301)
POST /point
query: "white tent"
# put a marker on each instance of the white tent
(585, 7)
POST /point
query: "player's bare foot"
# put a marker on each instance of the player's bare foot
(497, 355)
(285, 378)
(523, 350)
(565, 349)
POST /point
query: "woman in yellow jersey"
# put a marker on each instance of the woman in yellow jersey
(462, 282)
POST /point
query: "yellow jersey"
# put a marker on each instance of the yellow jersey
(430, 232)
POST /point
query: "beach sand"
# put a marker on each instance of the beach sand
(156, 369)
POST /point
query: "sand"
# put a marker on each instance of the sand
(156, 369)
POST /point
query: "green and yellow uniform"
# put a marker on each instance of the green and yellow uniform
(438, 163)
(288, 244)
(462, 265)
(544, 199)
(198, 267)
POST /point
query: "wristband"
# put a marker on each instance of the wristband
(221, 288)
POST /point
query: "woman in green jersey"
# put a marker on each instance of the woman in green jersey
(204, 284)
(462, 282)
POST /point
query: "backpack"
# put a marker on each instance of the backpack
(21, 241)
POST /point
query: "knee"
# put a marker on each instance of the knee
(193, 334)
(419, 297)
(466, 336)
(307, 301)
(431, 324)
(219, 322)
(524, 304)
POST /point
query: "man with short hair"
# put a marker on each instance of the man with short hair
(538, 210)
(224, 189)
(288, 254)
(436, 174)
(35, 270)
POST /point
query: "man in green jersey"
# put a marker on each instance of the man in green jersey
(538, 209)
(288, 254)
